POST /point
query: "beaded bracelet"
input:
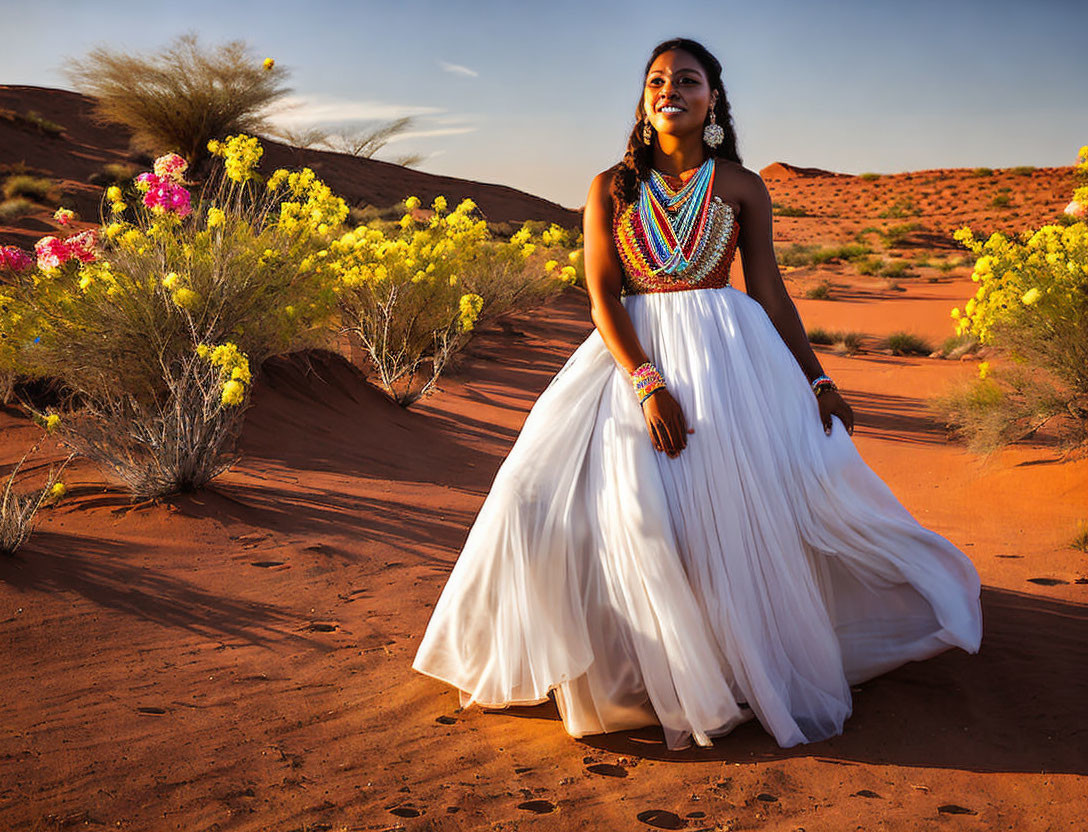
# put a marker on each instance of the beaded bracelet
(823, 383)
(647, 381)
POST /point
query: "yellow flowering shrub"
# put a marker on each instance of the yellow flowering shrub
(1031, 303)
(413, 291)
(239, 270)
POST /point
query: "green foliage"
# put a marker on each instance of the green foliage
(1023, 170)
(12, 209)
(1000, 201)
(869, 177)
(30, 187)
(982, 172)
(788, 210)
(821, 291)
(906, 343)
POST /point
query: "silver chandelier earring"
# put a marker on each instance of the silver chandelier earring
(712, 132)
(647, 133)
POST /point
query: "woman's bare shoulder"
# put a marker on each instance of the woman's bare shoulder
(733, 182)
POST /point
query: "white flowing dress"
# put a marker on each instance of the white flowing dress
(765, 569)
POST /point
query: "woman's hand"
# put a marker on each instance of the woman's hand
(666, 423)
(832, 404)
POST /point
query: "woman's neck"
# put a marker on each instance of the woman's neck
(673, 155)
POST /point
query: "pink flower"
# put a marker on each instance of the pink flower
(1075, 209)
(14, 258)
(52, 253)
(82, 245)
(63, 216)
(164, 195)
(171, 166)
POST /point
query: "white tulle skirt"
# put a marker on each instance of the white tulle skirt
(763, 570)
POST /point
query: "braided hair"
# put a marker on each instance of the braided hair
(635, 167)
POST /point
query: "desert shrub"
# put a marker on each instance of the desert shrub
(894, 235)
(982, 172)
(12, 209)
(847, 343)
(957, 346)
(795, 254)
(113, 173)
(896, 268)
(821, 291)
(788, 210)
(900, 208)
(18, 509)
(1032, 303)
(907, 343)
(1000, 201)
(413, 294)
(819, 335)
(30, 187)
(153, 325)
(869, 177)
(869, 265)
(180, 97)
(846, 251)
(1022, 170)
(1080, 539)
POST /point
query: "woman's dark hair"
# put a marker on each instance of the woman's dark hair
(636, 163)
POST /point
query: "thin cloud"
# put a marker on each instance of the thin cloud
(457, 69)
(437, 131)
(295, 111)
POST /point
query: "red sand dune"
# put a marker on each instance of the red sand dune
(240, 658)
(86, 146)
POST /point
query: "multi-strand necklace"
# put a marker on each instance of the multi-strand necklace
(673, 220)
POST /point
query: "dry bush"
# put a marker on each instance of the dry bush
(178, 98)
(18, 510)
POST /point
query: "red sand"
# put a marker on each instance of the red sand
(240, 658)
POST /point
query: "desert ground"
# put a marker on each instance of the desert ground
(239, 658)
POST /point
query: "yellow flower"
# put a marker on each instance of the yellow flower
(411, 203)
(233, 393)
(185, 298)
(118, 207)
(575, 255)
(85, 281)
(215, 217)
(439, 203)
(113, 193)
(1031, 295)
(983, 369)
(568, 274)
(269, 63)
(170, 279)
(63, 215)
(51, 422)
(955, 312)
(551, 264)
(58, 490)
(113, 229)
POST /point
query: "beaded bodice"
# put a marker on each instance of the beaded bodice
(709, 264)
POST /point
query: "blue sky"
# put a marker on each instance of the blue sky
(541, 96)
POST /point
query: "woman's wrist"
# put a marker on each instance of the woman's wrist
(822, 384)
(646, 380)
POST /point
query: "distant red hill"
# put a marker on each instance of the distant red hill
(73, 157)
(784, 170)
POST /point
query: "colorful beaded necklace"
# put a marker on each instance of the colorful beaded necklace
(673, 220)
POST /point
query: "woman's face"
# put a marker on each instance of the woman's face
(677, 83)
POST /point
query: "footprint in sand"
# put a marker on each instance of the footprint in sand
(151, 711)
(537, 807)
(607, 769)
(661, 819)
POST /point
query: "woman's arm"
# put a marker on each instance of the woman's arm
(604, 278)
(762, 278)
(764, 283)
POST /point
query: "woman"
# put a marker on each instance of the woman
(683, 533)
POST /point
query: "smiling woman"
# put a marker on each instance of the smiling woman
(683, 533)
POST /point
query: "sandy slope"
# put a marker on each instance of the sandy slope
(240, 659)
